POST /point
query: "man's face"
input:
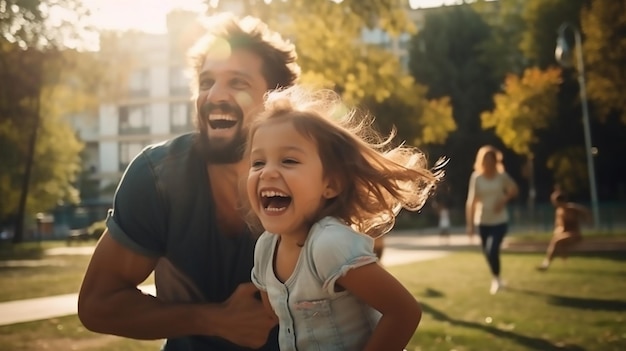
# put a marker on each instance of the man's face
(230, 94)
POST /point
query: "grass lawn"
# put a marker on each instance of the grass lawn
(577, 305)
(26, 272)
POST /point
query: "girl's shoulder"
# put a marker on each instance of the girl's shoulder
(265, 240)
(332, 231)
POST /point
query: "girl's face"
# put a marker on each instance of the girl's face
(286, 184)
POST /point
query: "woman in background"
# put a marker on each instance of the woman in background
(490, 189)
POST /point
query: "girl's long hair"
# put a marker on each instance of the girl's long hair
(375, 179)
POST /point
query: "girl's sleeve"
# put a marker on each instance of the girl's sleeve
(262, 258)
(337, 250)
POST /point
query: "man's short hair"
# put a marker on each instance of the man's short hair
(278, 55)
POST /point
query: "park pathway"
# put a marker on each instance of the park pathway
(400, 248)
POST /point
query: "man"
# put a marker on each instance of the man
(177, 211)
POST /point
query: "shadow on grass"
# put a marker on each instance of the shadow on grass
(527, 341)
(618, 255)
(577, 302)
(428, 292)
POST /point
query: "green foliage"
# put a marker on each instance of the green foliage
(543, 18)
(28, 23)
(526, 105)
(96, 229)
(569, 169)
(41, 108)
(447, 56)
(502, 51)
(604, 25)
(327, 36)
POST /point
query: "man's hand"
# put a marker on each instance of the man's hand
(247, 321)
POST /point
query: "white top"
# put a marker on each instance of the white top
(488, 192)
(312, 314)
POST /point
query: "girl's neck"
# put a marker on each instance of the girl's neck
(293, 240)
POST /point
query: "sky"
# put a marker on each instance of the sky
(145, 15)
(149, 15)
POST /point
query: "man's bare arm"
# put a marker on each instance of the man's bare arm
(109, 302)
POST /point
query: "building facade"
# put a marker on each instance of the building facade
(149, 100)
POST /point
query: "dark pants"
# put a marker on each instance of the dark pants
(491, 237)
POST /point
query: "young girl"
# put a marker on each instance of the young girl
(567, 219)
(318, 179)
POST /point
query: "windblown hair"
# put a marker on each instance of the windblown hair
(375, 180)
(229, 33)
(488, 151)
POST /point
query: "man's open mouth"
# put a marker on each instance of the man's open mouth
(222, 121)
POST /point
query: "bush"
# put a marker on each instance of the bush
(96, 229)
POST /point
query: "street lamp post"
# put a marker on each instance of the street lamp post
(563, 56)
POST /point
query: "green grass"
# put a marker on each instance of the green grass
(65, 333)
(25, 272)
(540, 236)
(26, 250)
(577, 305)
(57, 275)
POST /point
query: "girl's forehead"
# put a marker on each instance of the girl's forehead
(279, 126)
(277, 132)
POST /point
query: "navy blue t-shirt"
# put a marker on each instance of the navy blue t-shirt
(163, 207)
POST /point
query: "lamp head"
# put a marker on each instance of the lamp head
(563, 53)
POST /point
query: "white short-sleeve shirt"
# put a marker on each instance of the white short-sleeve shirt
(488, 191)
(312, 315)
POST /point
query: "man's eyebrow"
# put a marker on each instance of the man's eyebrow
(237, 73)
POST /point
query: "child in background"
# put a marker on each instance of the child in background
(441, 205)
(318, 179)
(567, 233)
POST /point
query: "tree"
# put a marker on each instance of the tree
(502, 50)
(43, 149)
(528, 104)
(29, 24)
(604, 25)
(447, 56)
(331, 53)
(543, 18)
(603, 51)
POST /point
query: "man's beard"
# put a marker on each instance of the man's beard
(222, 151)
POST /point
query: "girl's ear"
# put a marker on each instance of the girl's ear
(332, 190)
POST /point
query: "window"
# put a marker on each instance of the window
(128, 151)
(180, 117)
(134, 119)
(179, 83)
(405, 41)
(139, 84)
